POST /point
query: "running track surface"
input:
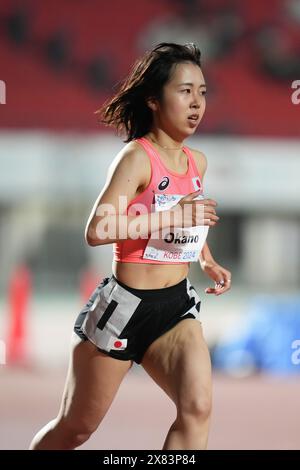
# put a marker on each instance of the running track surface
(257, 412)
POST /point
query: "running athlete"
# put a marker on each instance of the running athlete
(152, 208)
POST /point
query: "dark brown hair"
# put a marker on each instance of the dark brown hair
(128, 111)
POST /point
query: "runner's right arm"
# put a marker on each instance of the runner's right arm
(108, 221)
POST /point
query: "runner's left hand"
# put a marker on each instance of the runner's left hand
(220, 275)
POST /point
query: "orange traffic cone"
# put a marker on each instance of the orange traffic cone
(19, 293)
(88, 283)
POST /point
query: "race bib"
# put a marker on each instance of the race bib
(175, 244)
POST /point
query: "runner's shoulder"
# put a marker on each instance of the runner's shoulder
(200, 160)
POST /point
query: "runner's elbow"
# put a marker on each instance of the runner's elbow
(91, 236)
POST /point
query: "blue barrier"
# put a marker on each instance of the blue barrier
(267, 339)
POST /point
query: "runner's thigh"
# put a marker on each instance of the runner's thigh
(179, 362)
(92, 382)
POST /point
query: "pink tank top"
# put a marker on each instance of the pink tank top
(163, 181)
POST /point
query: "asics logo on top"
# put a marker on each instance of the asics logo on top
(164, 183)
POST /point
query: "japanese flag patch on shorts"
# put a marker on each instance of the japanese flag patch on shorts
(117, 344)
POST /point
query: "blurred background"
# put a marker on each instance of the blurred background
(60, 60)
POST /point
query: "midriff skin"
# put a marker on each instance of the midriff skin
(149, 276)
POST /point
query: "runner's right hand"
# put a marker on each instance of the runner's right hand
(189, 212)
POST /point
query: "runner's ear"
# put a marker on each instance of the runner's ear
(152, 103)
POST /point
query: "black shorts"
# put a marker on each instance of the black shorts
(122, 322)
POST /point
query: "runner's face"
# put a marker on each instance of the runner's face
(182, 106)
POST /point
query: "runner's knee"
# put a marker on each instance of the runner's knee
(195, 408)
